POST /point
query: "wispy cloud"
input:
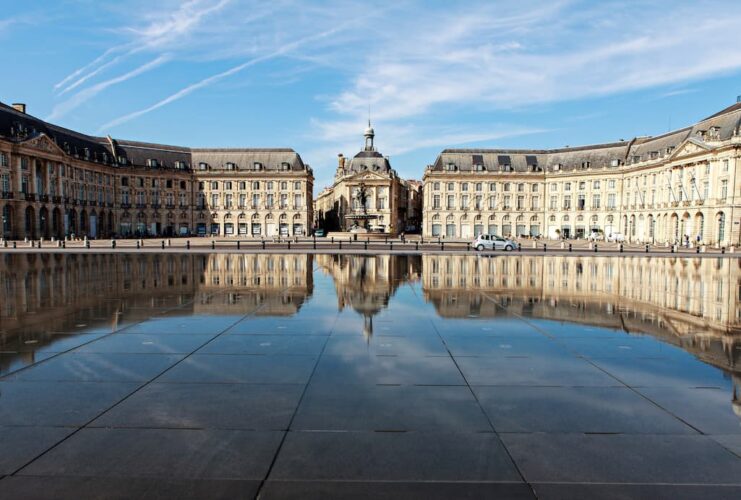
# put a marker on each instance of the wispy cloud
(90, 92)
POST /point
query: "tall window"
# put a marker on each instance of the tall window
(436, 201)
(723, 189)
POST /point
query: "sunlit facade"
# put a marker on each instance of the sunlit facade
(680, 187)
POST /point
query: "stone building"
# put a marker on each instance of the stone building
(338, 207)
(676, 187)
(55, 182)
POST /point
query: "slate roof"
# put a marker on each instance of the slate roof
(17, 127)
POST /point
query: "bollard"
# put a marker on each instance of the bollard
(442, 246)
(569, 247)
(5, 244)
(468, 246)
(289, 244)
(340, 244)
(315, 243)
(519, 247)
(366, 244)
(163, 244)
(392, 245)
(416, 245)
(595, 248)
(621, 248)
(722, 249)
(697, 249)
(113, 243)
(14, 246)
(238, 245)
(187, 244)
(137, 243)
(545, 248)
(87, 243)
(169, 243)
(333, 240)
(672, 250)
(213, 245)
(646, 248)
(263, 244)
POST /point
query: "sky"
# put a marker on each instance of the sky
(430, 75)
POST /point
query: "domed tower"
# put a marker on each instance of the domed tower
(369, 135)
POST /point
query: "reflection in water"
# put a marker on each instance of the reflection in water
(691, 303)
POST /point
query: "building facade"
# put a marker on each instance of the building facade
(56, 183)
(388, 198)
(675, 188)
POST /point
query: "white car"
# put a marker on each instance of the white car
(616, 237)
(596, 236)
(493, 242)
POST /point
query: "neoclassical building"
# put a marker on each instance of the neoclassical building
(56, 182)
(676, 187)
(391, 203)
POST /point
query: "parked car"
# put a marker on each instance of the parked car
(596, 236)
(493, 242)
(319, 233)
(616, 237)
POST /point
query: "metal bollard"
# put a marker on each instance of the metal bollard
(213, 245)
(595, 248)
(442, 246)
(646, 248)
(64, 244)
(416, 245)
(545, 247)
(365, 243)
(14, 245)
(137, 244)
(519, 247)
(263, 244)
(569, 247)
(468, 246)
(697, 250)
(621, 248)
(315, 243)
(87, 244)
(333, 240)
(340, 244)
(392, 245)
(289, 244)
(163, 244)
(187, 244)
(722, 249)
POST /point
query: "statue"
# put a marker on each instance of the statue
(362, 196)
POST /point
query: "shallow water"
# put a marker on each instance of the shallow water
(486, 370)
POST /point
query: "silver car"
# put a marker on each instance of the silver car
(493, 242)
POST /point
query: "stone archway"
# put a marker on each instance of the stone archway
(57, 229)
(44, 223)
(30, 223)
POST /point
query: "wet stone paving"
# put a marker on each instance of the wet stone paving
(299, 376)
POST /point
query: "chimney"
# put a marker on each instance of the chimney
(340, 161)
(19, 106)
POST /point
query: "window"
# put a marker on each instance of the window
(595, 185)
(298, 201)
(567, 186)
(228, 186)
(567, 202)
(553, 202)
(506, 186)
(451, 186)
(269, 186)
(436, 186)
(436, 201)
(214, 200)
(228, 201)
(464, 186)
(611, 184)
(183, 185)
(297, 186)
(124, 181)
(725, 165)
(723, 189)
(582, 186)
(492, 187)
(464, 201)
(451, 202)
(595, 202)
(520, 202)
(242, 200)
(506, 202)
(520, 188)
(256, 185)
(478, 186)
(214, 185)
(492, 202)
(534, 188)
(3, 160)
(554, 187)
(535, 203)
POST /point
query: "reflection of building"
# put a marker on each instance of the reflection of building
(390, 205)
(365, 284)
(269, 285)
(651, 189)
(46, 294)
(55, 182)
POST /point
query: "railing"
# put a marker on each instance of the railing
(6, 195)
(141, 205)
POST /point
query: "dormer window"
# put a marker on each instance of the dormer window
(203, 166)
(585, 164)
(230, 166)
(636, 158)
(654, 155)
(615, 162)
(153, 163)
(450, 167)
(714, 133)
(86, 153)
(181, 165)
(285, 166)
(557, 167)
(257, 165)
(669, 150)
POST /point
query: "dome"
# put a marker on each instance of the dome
(369, 131)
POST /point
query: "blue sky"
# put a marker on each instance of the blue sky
(301, 74)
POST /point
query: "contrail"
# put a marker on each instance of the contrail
(212, 79)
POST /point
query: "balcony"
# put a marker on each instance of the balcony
(56, 199)
(28, 196)
(141, 205)
(183, 206)
(170, 206)
(125, 205)
(156, 206)
(44, 198)
(6, 195)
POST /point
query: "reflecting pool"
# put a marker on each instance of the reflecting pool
(434, 376)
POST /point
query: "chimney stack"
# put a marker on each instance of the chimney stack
(340, 161)
(19, 106)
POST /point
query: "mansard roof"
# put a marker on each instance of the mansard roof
(16, 126)
(718, 127)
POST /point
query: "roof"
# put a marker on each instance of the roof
(16, 126)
